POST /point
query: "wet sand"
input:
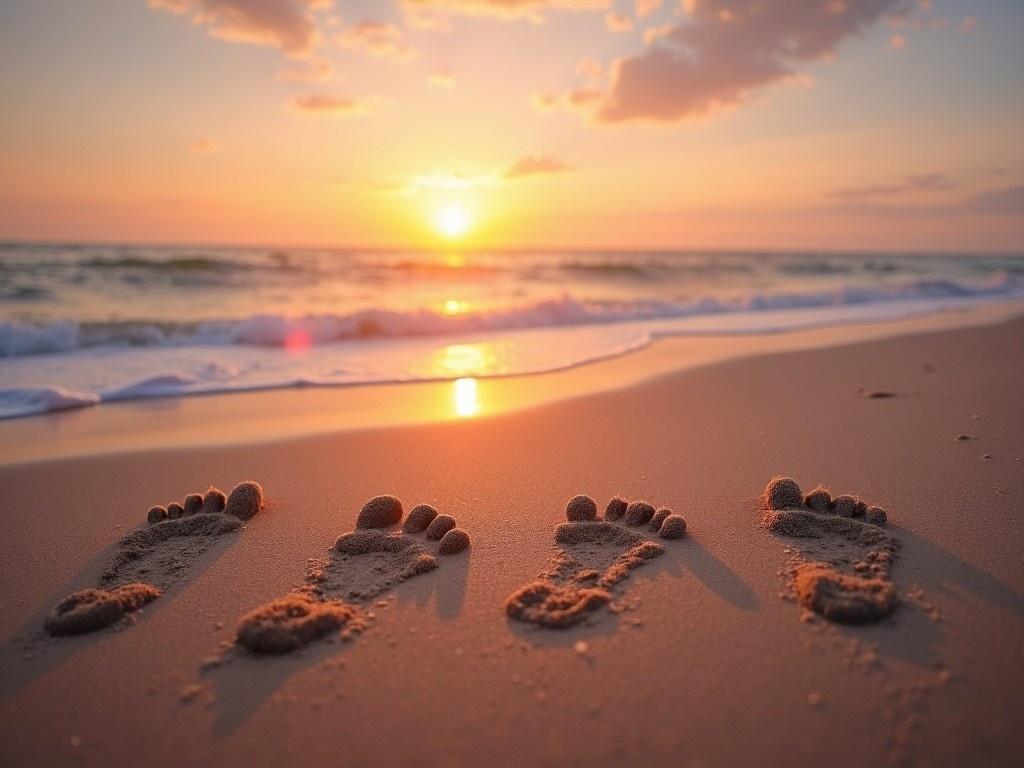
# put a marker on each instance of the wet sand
(706, 662)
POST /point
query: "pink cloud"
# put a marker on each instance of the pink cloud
(445, 80)
(285, 24)
(503, 8)
(725, 49)
(313, 71)
(385, 41)
(645, 8)
(204, 146)
(617, 22)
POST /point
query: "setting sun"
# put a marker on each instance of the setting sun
(452, 221)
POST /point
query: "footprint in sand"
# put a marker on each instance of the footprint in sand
(149, 560)
(840, 567)
(592, 559)
(363, 564)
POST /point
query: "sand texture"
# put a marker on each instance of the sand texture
(711, 653)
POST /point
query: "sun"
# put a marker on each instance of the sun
(453, 221)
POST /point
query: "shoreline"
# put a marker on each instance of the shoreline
(226, 419)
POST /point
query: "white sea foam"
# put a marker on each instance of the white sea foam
(121, 372)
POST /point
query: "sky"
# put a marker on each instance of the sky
(891, 125)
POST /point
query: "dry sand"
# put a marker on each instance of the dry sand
(708, 662)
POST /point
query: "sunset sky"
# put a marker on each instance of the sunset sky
(839, 124)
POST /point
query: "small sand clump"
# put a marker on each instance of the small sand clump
(579, 508)
(245, 500)
(674, 527)
(439, 526)
(290, 622)
(844, 505)
(380, 512)
(452, 542)
(616, 508)
(782, 493)
(214, 502)
(820, 499)
(90, 609)
(156, 514)
(876, 516)
(638, 513)
(659, 518)
(841, 598)
(419, 518)
(174, 510)
(193, 503)
(541, 602)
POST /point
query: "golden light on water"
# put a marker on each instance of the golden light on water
(465, 397)
(458, 360)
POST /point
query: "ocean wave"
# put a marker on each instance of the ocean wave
(31, 401)
(170, 264)
(264, 330)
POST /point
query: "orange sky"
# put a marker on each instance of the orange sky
(839, 124)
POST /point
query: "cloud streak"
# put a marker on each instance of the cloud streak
(535, 165)
(925, 182)
(384, 41)
(327, 104)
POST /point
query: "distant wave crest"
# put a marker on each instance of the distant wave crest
(21, 339)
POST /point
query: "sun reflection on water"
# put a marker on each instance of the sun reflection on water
(463, 364)
(465, 397)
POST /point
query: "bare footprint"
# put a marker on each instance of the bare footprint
(592, 558)
(362, 565)
(842, 557)
(149, 560)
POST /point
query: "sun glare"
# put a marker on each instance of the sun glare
(452, 221)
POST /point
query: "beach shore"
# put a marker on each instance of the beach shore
(708, 664)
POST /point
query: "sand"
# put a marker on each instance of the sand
(707, 661)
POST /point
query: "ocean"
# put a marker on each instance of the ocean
(86, 324)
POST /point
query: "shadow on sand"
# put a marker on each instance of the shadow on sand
(688, 554)
(30, 652)
(912, 635)
(245, 680)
